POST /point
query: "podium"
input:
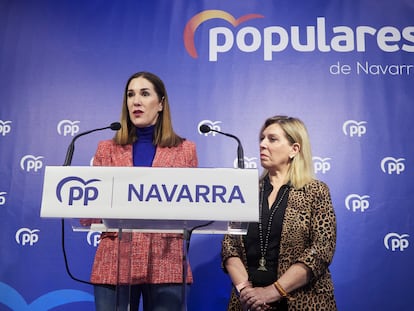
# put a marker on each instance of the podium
(150, 199)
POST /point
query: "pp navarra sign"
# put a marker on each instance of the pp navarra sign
(150, 193)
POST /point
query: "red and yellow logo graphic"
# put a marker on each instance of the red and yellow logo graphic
(201, 17)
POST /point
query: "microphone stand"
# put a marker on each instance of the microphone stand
(71, 148)
(187, 233)
(68, 161)
(204, 128)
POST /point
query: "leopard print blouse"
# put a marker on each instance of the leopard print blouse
(309, 237)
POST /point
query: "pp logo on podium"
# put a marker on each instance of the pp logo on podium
(72, 190)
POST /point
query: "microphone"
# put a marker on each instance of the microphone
(115, 126)
(204, 128)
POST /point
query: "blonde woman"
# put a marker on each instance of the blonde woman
(283, 261)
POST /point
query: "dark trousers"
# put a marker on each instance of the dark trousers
(156, 297)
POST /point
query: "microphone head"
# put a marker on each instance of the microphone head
(115, 126)
(204, 128)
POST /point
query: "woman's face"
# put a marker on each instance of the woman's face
(275, 149)
(143, 102)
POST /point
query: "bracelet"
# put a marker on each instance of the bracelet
(281, 290)
(239, 287)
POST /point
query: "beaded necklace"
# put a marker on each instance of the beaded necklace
(264, 244)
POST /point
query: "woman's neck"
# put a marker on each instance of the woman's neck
(145, 132)
(277, 179)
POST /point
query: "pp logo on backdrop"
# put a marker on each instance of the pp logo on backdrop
(250, 39)
(31, 163)
(217, 32)
(75, 189)
(248, 162)
(396, 242)
(355, 202)
(67, 127)
(321, 165)
(390, 165)
(354, 128)
(5, 127)
(93, 238)
(3, 198)
(25, 236)
(214, 125)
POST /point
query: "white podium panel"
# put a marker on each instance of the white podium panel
(149, 193)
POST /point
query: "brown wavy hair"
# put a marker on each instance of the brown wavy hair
(164, 135)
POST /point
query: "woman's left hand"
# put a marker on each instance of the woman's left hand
(256, 298)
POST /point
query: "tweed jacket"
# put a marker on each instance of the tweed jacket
(152, 257)
(308, 236)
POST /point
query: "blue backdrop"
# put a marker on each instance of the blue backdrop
(345, 68)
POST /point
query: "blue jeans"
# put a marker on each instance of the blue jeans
(156, 297)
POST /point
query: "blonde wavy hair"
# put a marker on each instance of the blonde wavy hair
(301, 169)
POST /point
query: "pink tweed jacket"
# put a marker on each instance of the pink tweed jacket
(152, 257)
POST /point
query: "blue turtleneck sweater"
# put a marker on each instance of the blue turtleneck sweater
(143, 150)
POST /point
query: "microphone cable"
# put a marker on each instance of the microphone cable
(115, 126)
(65, 257)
